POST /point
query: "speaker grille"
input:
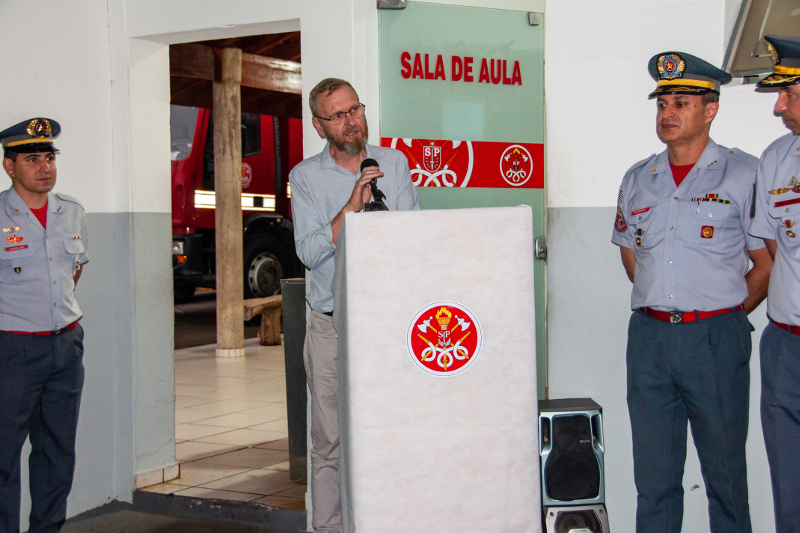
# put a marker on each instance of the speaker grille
(572, 471)
(578, 521)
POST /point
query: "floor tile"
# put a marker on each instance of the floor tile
(248, 458)
(283, 467)
(196, 473)
(238, 420)
(282, 502)
(280, 444)
(297, 490)
(216, 494)
(264, 482)
(189, 401)
(232, 406)
(191, 451)
(242, 437)
(186, 415)
(278, 426)
(274, 411)
(197, 431)
(163, 488)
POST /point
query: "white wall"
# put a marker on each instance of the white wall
(599, 123)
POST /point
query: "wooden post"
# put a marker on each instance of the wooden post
(228, 187)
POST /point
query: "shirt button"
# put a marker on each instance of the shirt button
(669, 261)
(670, 228)
(55, 282)
(670, 296)
(55, 304)
(51, 259)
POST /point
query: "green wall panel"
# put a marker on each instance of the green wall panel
(459, 110)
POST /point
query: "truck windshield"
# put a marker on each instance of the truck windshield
(182, 121)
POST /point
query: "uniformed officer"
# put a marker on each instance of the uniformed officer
(42, 253)
(777, 209)
(681, 228)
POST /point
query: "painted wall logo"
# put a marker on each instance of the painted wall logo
(439, 163)
(247, 175)
(436, 163)
(444, 338)
(516, 165)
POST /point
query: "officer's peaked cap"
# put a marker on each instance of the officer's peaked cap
(682, 73)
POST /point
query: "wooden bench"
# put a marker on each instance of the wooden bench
(270, 310)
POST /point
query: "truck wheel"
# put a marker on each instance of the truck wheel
(184, 293)
(263, 269)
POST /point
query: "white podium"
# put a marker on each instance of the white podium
(437, 372)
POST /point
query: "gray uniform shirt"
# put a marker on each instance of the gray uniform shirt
(690, 241)
(777, 217)
(37, 292)
(320, 188)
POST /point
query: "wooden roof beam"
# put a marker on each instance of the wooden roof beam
(197, 61)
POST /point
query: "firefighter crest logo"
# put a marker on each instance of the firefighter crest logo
(435, 163)
(14, 238)
(516, 165)
(247, 175)
(444, 339)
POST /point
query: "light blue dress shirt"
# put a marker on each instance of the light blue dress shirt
(777, 217)
(320, 188)
(690, 241)
(37, 266)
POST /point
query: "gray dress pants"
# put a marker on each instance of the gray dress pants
(319, 355)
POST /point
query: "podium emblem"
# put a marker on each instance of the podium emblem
(444, 338)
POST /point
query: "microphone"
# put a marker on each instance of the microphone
(377, 204)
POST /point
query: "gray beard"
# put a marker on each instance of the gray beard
(351, 148)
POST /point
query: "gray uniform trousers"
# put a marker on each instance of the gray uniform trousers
(319, 355)
(780, 421)
(41, 379)
(695, 372)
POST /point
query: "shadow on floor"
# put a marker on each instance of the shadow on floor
(196, 321)
(119, 517)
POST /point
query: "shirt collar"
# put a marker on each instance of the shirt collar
(17, 205)
(795, 148)
(708, 159)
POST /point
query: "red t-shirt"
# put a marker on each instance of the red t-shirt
(41, 214)
(679, 172)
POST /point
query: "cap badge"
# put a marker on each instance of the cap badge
(444, 338)
(40, 128)
(14, 238)
(670, 66)
(774, 52)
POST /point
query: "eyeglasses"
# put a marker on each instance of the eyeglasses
(338, 118)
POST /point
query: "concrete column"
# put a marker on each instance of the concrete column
(228, 187)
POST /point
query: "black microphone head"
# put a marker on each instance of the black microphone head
(368, 162)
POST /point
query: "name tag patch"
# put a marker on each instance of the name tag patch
(640, 211)
(15, 248)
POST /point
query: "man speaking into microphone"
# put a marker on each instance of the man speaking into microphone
(324, 188)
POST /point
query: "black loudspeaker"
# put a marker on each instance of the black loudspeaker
(571, 450)
(576, 519)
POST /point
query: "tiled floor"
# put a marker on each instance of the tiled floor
(230, 427)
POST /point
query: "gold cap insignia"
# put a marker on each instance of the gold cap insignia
(40, 128)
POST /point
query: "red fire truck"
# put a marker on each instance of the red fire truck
(271, 146)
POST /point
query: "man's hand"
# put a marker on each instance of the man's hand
(361, 195)
(757, 278)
